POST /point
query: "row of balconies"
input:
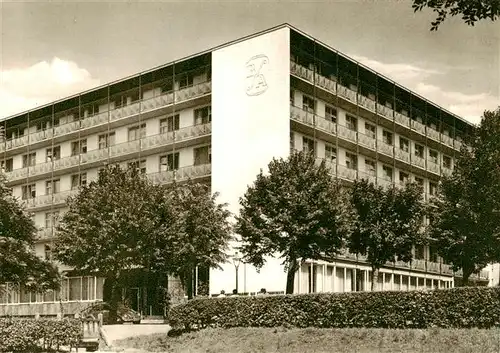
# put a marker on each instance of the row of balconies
(371, 105)
(350, 174)
(369, 142)
(130, 147)
(142, 106)
(417, 265)
(163, 177)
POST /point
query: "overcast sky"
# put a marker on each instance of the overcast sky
(50, 50)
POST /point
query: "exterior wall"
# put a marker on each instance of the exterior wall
(250, 94)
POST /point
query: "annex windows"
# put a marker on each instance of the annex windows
(203, 115)
(169, 124)
(106, 140)
(137, 132)
(169, 162)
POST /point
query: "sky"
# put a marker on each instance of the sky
(49, 50)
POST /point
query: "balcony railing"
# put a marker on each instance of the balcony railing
(111, 115)
(366, 102)
(384, 182)
(51, 199)
(302, 116)
(385, 148)
(347, 133)
(433, 167)
(447, 140)
(46, 233)
(184, 173)
(326, 125)
(367, 141)
(370, 177)
(345, 172)
(402, 155)
(418, 161)
(121, 149)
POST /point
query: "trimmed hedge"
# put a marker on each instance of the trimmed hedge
(447, 308)
(29, 335)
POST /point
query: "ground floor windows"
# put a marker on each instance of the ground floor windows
(72, 289)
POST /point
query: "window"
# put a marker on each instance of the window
(351, 161)
(447, 162)
(387, 137)
(420, 182)
(51, 219)
(137, 132)
(331, 114)
(203, 115)
(53, 154)
(141, 165)
(106, 140)
(78, 147)
(169, 162)
(370, 130)
(404, 144)
(433, 253)
(419, 252)
(308, 145)
(387, 172)
(29, 160)
(330, 152)
(52, 186)
(308, 104)
(403, 177)
(48, 252)
(185, 81)
(433, 156)
(370, 167)
(292, 141)
(169, 124)
(78, 180)
(75, 288)
(28, 191)
(419, 150)
(351, 123)
(7, 165)
(292, 97)
(203, 155)
(432, 188)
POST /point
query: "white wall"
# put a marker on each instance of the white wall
(250, 126)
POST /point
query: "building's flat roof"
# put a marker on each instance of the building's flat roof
(284, 25)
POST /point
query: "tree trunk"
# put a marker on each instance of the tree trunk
(114, 298)
(374, 278)
(465, 276)
(290, 276)
(189, 284)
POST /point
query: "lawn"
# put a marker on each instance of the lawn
(282, 340)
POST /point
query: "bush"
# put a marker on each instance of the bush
(28, 335)
(449, 308)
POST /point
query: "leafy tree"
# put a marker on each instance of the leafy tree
(296, 212)
(18, 261)
(388, 223)
(205, 232)
(466, 225)
(113, 225)
(470, 10)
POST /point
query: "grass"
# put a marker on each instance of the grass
(267, 340)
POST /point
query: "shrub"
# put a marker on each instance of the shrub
(449, 308)
(28, 335)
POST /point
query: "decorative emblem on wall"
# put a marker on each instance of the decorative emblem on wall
(256, 82)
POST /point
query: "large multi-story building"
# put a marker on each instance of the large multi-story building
(218, 117)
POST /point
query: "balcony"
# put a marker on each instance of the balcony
(55, 199)
(302, 116)
(384, 111)
(418, 161)
(482, 275)
(447, 140)
(417, 126)
(385, 148)
(345, 172)
(368, 176)
(100, 118)
(366, 141)
(326, 125)
(146, 143)
(326, 83)
(384, 182)
(402, 155)
(367, 103)
(45, 233)
(433, 167)
(301, 71)
(347, 133)
(402, 119)
(184, 173)
(346, 93)
(433, 134)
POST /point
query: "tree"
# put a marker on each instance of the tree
(18, 261)
(466, 226)
(205, 232)
(470, 10)
(113, 225)
(388, 223)
(295, 212)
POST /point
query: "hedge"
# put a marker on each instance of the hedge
(29, 335)
(447, 308)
